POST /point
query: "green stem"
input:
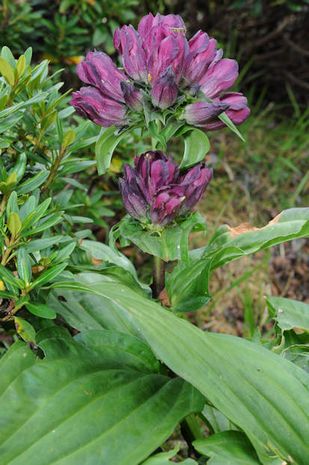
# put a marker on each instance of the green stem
(191, 430)
(158, 277)
(54, 169)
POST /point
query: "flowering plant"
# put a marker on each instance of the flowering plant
(167, 82)
(103, 362)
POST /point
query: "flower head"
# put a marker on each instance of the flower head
(155, 191)
(162, 70)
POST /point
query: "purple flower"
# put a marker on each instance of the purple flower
(91, 103)
(202, 51)
(160, 65)
(129, 45)
(99, 70)
(220, 75)
(199, 113)
(237, 110)
(148, 27)
(132, 96)
(164, 91)
(155, 191)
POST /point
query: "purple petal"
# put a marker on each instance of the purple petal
(219, 77)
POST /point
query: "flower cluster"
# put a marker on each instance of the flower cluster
(155, 191)
(163, 70)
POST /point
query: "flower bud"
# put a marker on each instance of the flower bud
(237, 110)
(170, 52)
(99, 70)
(220, 76)
(155, 191)
(194, 183)
(91, 103)
(132, 96)
(199, 113)
(168, 24)
(128, 43)
(164, 91)
(202, 51)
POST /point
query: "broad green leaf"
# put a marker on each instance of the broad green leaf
(227, 448)
(105, 147)
(231, 243)
(171, 243)
(95, 400)
(196, 147)
(89, 312)
(187, 285)
(216, 419)
(41, 310)
(289, 313)
(260, 392)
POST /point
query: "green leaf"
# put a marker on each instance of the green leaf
(105, 147)
(41, 310)
(12, 283)
(95, 400)
(260, 392)
(229, 123)
(229, 244)
(21, 65)
(32, 183)
(24, 265)
(163, 458)
(48, 275)
(227, 448)
(170, 243)
(25, 330)
(196, 147)
(8, 56)
(14, 224)
(69, 138)
(103, 252)
(289, 313)
(7, 71)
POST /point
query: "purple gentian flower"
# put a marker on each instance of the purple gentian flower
(155, 191)
(237, 110)
(164, 90)
(199, 113)
(161, 67)
(91, 103)
(129, 45)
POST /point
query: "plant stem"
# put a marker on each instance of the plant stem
(54, 169)
(158, 277)
(191, 430)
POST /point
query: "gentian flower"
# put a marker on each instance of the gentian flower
(236, 109)
(164, 91)
(161, 69)
(155, 191)
(200, 113)
(104, 111)
(129, 45)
